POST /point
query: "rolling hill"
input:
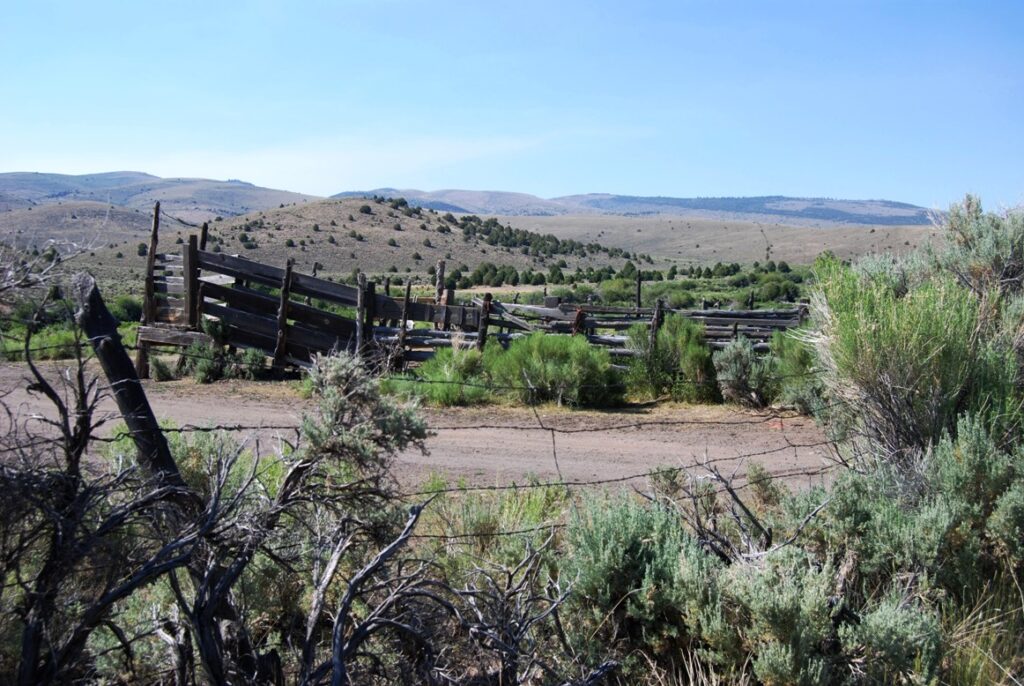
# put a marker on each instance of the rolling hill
(795, 211)
(191, 199)
(111, 213)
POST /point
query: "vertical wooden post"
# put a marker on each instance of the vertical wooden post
(371, 309)
(656, 322)
(148, 296)
(190, 267)
(449, 300)
(485, 316)
(405, 318)
(204, 234)
(439, 282)
(281, 349)
(360, 311)
(387, 293)
(579, 322)
(639, 287)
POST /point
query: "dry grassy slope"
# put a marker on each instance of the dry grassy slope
(685, 241)
(191, 199)
(371, 254)
(86, 223)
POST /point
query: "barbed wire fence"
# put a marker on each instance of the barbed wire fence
(572, 486)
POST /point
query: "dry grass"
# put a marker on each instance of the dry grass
(687, 240)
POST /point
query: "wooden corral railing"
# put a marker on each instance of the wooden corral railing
(720, 326)
(164, 314)
(291, 316)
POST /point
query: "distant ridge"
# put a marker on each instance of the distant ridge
(188, 198)
(772, 208)
(195, 199)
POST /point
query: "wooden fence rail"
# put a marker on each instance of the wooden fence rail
(291, 316)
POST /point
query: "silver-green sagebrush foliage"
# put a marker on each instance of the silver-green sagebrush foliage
(903, 568)
(677, 363)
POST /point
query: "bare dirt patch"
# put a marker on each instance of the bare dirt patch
(497, 445)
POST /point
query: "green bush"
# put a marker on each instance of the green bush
(563, 369)
(679, 364)
(745, 377)
(450, 378)
(897, 642)
(617, 291)
(982, 251)
(1006, 525)
(799, 383)
(907, 363)
(640, 580)
(125, 308)
(781, 613)
(160, 370)
(210, 363)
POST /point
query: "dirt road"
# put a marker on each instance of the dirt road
(500, 445)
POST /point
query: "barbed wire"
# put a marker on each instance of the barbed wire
(540, 426)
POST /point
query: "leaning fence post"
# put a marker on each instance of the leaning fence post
(101, 328)
(281, 349)
(485, 315)
(204, 234)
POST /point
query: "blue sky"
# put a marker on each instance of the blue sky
(914, 101)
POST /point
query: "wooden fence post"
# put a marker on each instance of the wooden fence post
(387, 293)
(485, 315)
(148, 296)
(204, 234)
(371, 309)
(449, 300)
(281, 349)
(405, 318)
(579, 322)
(439, 283)
(190, 266)
(101, 328)
(639, 287)
(360, 311)
(656, 322)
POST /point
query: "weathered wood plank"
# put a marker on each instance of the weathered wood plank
(163, 336)
(172, 288)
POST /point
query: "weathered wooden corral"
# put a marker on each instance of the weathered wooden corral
(291, 316)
